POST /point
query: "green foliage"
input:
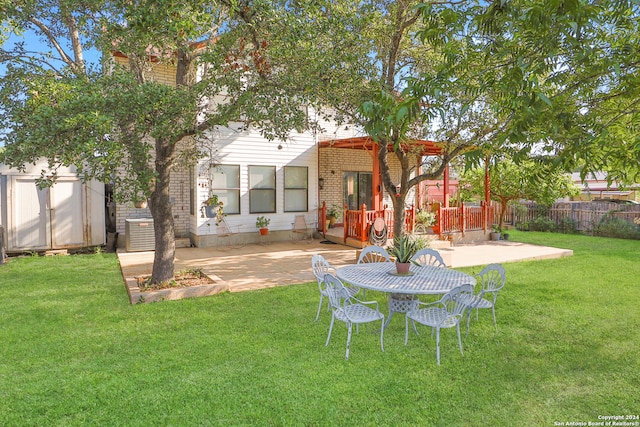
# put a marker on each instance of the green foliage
(540, 223)
(612, 226)
(425, 217)
(403, 248)
(262, 222)
(567, 225)
(334, 211)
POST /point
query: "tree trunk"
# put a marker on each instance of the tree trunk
(160, 206)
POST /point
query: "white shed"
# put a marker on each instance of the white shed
(70, 214)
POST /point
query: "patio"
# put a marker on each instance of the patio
(254, 267)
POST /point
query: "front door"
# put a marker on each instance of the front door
(357, 189)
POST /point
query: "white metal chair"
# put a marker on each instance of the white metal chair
(428, 256)
(373, 253)
(320, 268)
(299, 226)
(445, 313)
(350, 310)
(223, 229)
(492, 279)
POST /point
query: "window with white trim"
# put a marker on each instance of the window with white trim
(225, 183)
(262, 189)
(296, 189)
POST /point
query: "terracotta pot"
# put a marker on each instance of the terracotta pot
(264, 231)
(140, 204)
(403, 267)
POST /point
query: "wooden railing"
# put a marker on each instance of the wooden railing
(357, 222)
(463, 218)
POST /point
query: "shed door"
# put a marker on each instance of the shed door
(66, 214)
(30, 215)
(49, 218)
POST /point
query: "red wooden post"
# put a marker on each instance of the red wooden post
(462, 217)
(446, 187)
(347, 219)
(375, 181)
(322, 218)
(412, 220)
(363, 223)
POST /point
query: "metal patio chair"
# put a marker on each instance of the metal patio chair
(492, 279)
(350, 310)
(445, 313)
(299, 225)
(320, 268)
(428, 256)
(373, 253)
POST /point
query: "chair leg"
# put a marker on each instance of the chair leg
(493, 309)
(438, 345)
(349, 326)
(319, 307)
(382, 334)
(330, 329)
(468, 320)
(406, 329)
(459, 340)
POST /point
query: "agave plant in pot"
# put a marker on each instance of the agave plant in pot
(403, 249)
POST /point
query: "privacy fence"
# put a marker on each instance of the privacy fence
(584, 216)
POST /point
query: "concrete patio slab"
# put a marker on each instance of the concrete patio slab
(284, 263)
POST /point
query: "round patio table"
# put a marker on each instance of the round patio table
(421, 280)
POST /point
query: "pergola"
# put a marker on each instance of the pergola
(420, 147)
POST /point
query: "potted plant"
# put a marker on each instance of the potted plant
(496, 230)
(212, 207)
(262, 222)
(333, 213)
(140, 204)
(403, 249)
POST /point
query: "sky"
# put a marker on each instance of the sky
(34, 43)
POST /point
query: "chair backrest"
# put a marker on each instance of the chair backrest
(222, 228)
(454, 299)
(373, 254)
(335, 291)
(320, 268)
(492, 278)
(300, 223)
(428, 256)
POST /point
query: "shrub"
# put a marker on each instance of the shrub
(611, 226)
(425, 217)
(567, 225)
(540, 224)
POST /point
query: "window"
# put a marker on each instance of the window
(225, 183)
(296, 186)
(262, 189)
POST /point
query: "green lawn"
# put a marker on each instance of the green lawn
(74, 352)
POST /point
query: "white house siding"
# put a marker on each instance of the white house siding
(248, 148)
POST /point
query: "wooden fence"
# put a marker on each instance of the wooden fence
(585, 215)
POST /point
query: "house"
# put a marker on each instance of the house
(255, 177)
(68, 215)
(595, 187)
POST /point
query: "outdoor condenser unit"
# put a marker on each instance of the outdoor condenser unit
(139, 235)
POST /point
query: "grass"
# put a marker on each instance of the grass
(74, 352)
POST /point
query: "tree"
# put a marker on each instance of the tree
(122, 125)
(533, 179)
(517, 77)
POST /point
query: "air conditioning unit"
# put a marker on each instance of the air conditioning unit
(139, 235)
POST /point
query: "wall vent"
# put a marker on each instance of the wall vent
(139, 235)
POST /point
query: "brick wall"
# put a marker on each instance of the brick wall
(334, 161)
